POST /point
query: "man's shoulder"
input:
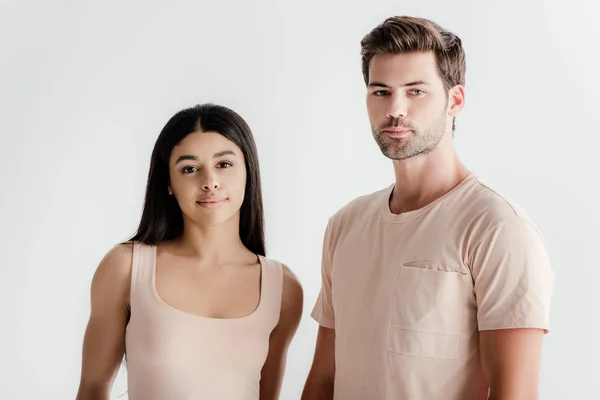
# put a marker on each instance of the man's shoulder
(485, 204)
(360, 206)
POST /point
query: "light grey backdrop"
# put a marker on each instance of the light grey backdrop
(85, 87)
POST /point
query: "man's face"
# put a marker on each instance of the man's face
(407, 104)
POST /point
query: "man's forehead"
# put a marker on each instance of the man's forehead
(401, 69)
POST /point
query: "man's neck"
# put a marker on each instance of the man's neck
(422, 179)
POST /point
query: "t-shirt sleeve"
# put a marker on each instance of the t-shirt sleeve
(513, 278)
(323, 310)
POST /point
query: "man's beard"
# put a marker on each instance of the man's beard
(415, 143)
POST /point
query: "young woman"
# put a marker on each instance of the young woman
(191, 299)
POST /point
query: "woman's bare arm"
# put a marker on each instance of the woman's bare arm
(104, 340)
(281, 337)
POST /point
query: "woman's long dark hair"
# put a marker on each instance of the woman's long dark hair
(162, 218)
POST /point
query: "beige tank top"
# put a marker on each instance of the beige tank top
(174, 355)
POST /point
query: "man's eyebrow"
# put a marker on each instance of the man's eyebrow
(416, 83)
(413, 83)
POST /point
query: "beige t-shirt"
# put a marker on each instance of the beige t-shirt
(407, 294)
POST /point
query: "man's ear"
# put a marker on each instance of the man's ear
(456, 100)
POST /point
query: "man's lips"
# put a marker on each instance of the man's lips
(395, 132)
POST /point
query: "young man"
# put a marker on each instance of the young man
(436, 287)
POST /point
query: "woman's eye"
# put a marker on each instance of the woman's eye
(224, 164)
(189, 170)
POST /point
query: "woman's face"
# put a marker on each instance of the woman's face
(208, 178)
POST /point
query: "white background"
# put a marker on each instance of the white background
(86, 86)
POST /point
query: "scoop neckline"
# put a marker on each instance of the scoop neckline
(164, 304)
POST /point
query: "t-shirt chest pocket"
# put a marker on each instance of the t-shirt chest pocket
(428, 304)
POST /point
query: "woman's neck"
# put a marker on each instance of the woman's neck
(212, 244)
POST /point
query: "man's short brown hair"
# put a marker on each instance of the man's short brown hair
(401, 35)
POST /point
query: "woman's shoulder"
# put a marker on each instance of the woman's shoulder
(289, 277)
(292, 291)
(292, 296)
(112, 277)
(290, 280)
(117, 261)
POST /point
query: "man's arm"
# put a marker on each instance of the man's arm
(319, 384)
(511, 362)
(104, 341)
(291, 312)
(513, 286)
